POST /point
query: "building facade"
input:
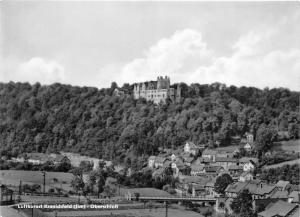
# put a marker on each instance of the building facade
(157, 91)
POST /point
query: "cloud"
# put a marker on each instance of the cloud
(254, 61)
(175, 56)
(38, 69)
(252, 64)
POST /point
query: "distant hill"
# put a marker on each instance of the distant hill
(93, 122)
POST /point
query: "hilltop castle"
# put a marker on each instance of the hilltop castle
(157, 91)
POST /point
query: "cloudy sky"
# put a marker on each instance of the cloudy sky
(95, 43)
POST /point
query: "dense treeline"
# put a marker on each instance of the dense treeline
(35, 118)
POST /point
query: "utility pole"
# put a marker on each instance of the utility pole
(20, 188)
(166, 208)
(44, 182)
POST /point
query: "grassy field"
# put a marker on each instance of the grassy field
(160, 212)
(291, 145)
(145, 192)
(13, 177)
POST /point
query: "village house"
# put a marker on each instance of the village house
(282, 185)
(224, 154)
(151, 161)
(178, 167)
(283, 195)
(294, 197)
(19, 159)
(234, 189)
(248, 142)
(248, 147)
(190, 148)
(213, 170)
(248, 163)
(58, 159)
(245, 176)
(260, 190)
(173, 157)
(225, 162)
(209, 154)
(160, 172)
(38, 158)
(186, 183)
(210, 188)
(159, 161)
(249, 137)
(198, 189)
(280, 209)
(197, 169)
(188, 160)
(235, 170)
(76, 159)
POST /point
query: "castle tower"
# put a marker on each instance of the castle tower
(159, 82)
(163, 82)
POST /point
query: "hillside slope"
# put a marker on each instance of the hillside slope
(35, 118)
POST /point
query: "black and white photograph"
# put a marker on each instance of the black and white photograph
(149, 108)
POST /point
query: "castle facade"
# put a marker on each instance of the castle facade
(157, 91)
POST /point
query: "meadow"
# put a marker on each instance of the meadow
(53, 179)
(291, 145)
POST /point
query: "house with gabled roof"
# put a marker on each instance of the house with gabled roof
(38, 158)
(233, 169)
(198, 189)
(190, 148)
(284, 195)
(234, 189)
(294, 197)
(245, 176)
(248, 163)
(248, 147)
(282, 185)
(58, 158)
(159, 161)
(151, 161)
(261, 190)
(209, 154)
(225, 162)
(197, 169)
(279, 209)
(213, 170)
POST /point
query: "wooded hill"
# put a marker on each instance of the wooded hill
(35, 118)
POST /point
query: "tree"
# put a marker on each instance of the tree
(293, 130)
(77, 182)
(108, 191)
(242, 204)
(222, 182)
(92, 179)
(265, 137)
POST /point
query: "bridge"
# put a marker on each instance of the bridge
(179, 199)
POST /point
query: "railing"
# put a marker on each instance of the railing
(179, 198)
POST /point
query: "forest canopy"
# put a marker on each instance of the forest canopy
(95, 122)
